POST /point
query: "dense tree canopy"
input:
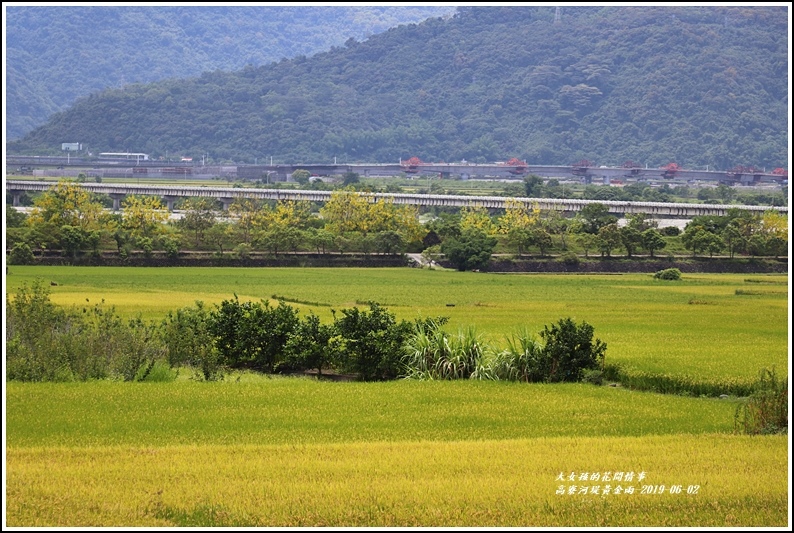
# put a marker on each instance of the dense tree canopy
(56, 54)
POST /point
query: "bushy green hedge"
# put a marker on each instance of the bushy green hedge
(188, 340)
(45, 342)
(21, 254)
(48, 343)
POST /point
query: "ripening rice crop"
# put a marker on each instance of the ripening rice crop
(677, 480)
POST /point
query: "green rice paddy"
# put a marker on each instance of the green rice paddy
(699, 326)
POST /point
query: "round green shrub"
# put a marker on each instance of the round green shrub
(570, 259)
(243, 250)
(668, 274)
(21, 254)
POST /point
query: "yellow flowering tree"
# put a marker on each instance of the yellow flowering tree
(247, 215)
(143, 216)
(67, 204)
(408, 225)
(477, 218)
(774, 228)
(345, 211)
(68, 217)
(775, 224)
(518, 216)
(279, 228)
(520, 224)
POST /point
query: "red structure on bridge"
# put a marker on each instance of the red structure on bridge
(521, 166)
(670, 170)
(632, 167)
(411, 166)
(580, 167)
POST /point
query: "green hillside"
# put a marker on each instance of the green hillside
(56, 54)
(695, 85)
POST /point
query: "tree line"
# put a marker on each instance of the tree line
(534, 187)
(70, 219)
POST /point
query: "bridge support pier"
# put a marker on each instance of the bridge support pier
(226, 202)
(15, 198)
(749, 179)
(169, 201)
(117, 198)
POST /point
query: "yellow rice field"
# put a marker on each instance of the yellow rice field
(724, 480)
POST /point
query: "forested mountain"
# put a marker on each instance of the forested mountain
(695, 85)
(56, 54)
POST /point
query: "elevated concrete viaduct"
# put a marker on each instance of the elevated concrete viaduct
(226, 195)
